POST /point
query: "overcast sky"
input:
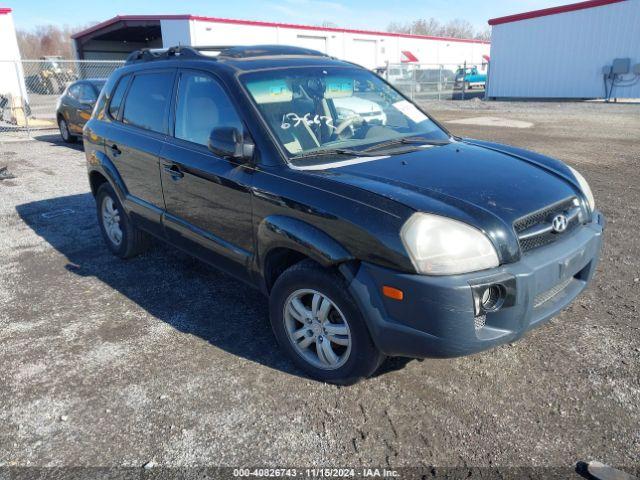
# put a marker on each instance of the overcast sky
(365, 14)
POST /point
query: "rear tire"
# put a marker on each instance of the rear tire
(330, 341)
(66, 135)
(123, 238)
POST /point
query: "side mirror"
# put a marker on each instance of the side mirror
(228, 142)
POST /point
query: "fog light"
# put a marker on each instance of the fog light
(492, 294)
(491, 298)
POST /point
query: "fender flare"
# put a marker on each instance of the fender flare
(103, 165)
(279, 231)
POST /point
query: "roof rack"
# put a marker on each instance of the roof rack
(151, 54)
(268, 51)
(225, 51)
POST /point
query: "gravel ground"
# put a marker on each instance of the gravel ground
(119, 363)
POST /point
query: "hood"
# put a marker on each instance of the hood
(477, 184)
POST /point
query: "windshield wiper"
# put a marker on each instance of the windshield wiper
(406, 141)
(334, 151)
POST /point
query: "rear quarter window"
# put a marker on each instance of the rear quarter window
(117, 96)
(146, 102)
(74, 91)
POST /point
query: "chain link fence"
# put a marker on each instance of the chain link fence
(421, 82)
(29, 90)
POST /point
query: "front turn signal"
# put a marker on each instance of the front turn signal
(392, 292)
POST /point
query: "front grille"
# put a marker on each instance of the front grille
(544, 297)
(541, 218)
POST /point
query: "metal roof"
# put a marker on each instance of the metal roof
(552, 11)
(124, 18)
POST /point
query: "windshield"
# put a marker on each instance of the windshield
(313, 110)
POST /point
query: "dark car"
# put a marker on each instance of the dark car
(370, 240)
(436, 79)
(75, 105)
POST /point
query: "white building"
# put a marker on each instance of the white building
(115, 38)
(11, 77)
(560, 52)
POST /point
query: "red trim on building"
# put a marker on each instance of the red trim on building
(552, 11)
(408, 57)
(4, 11)
(257, 23)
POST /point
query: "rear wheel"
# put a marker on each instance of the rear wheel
(317, 323)
(120, 235)
(64, 131)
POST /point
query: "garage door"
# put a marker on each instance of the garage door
(314, 43)
(363, 52)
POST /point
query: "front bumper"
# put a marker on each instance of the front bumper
(436, 316)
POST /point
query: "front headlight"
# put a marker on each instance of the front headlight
(584, 186)
(442, 246)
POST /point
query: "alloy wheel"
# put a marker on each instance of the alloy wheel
(64, 130)
(317, 329)
(111, 220)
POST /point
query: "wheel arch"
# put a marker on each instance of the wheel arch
(283, 241)
(102, 169)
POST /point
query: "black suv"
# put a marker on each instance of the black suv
(373, 230)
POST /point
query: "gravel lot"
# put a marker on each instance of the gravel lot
(119, 363)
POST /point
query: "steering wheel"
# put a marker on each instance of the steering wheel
(344, 124)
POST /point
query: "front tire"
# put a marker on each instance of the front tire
(121, 236)
(318, 324)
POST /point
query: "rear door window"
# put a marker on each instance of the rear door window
(147, 100)
(87, 93)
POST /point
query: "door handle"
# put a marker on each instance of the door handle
(115, 150)
(174, 171)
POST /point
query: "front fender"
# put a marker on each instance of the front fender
(279, 231)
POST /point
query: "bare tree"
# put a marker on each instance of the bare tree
(484, 34)
(45, 40)
(457, 28)
(422, 26)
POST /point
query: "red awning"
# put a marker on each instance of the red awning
(407, 57)
(486, 57)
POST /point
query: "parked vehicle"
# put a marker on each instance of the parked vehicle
(394, 73)
(51, 76)
(433, 79)
(363, 109)
(425, 80)
(75, 105)
(470, 77)
(370, 240)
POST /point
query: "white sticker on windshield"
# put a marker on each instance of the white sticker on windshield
(410, 110)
